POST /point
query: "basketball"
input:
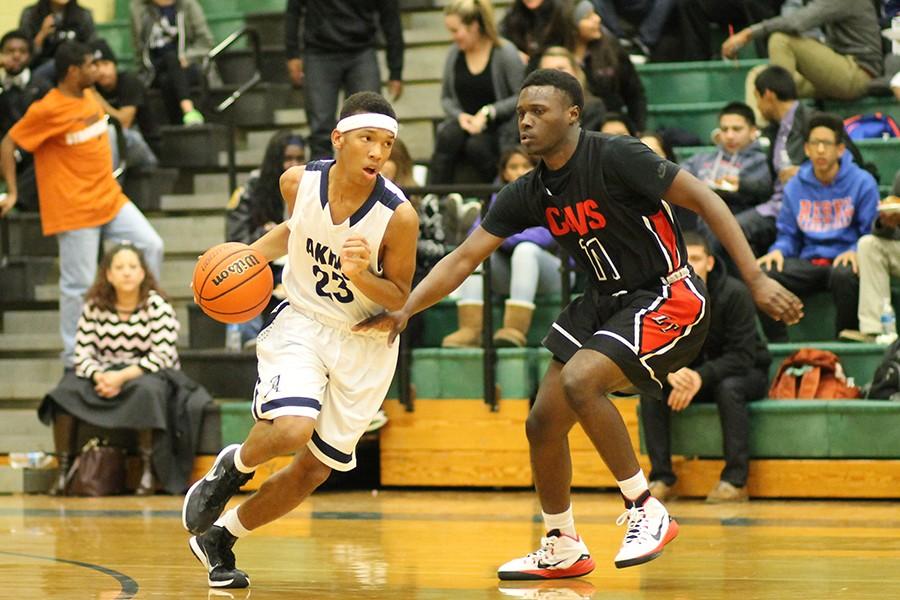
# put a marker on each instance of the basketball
(232, 282)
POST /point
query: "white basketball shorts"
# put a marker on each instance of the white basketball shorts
(311, 366)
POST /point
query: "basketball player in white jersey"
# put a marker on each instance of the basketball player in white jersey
(351, 246)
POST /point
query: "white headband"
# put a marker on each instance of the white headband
(363, 120)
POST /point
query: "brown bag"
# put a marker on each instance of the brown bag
(98, 471)
(811, 374)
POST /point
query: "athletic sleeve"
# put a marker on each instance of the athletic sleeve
(638, 171)
(39, 124)
(511, 212)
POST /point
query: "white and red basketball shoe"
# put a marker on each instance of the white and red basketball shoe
(559, 556)
(650, 528)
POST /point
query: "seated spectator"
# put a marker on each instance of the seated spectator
(840, 68)
(18, 89)
(649, 16)
(827, 208)
(696, 16)
(170, 39)
(731, 370)
(123, 96)
(534, 24)
(436, 227)
(126, 364)
(878, 256)
(656, 142)
(80, 201)
(738, 170)
(776, 96)
(258, 206)
(609, 73)
(618, 124)
(525, 265)
(480, 87)
(557, 57)
(49, 23)
(399, 167)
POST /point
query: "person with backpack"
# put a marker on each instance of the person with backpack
(828, 206)
(879, 260)
(731, 370)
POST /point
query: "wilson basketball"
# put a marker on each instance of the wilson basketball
(232, 282)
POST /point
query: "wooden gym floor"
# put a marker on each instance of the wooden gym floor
(427, 545)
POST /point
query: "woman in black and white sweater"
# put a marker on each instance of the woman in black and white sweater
(124, 348)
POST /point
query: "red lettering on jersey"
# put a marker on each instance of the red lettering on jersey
(598, 221)
(578, 223)
(585, 216)
(557, 227)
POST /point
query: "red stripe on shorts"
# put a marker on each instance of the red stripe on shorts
(671, 318)
(663, 228)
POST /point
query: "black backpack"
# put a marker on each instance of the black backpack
(886, 380)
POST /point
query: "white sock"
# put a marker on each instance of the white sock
(634, 486)
(232, 523)
(239, 464)
(564, 521)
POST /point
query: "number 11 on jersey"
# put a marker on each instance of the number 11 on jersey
(596, 253)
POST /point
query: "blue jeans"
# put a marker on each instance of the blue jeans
(326, 75)
(651, 15)
(137, 153)
(78, 251)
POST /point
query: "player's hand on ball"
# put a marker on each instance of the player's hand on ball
(775, 300)
(391, 322)
(355, 256)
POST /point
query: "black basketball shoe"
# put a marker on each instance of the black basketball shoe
(206, 499)
(213, 550)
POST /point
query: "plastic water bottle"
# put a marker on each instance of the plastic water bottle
(888, 323)
(233, 337)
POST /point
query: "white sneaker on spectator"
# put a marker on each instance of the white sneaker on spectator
(650, 528)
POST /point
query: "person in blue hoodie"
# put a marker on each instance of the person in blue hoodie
(827, 207)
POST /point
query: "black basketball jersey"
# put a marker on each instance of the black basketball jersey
(606, 210)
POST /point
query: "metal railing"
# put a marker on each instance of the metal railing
(252, 36)
(491, 389)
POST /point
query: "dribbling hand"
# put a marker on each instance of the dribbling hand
(391, 322)
(355, 256)
(775, 300)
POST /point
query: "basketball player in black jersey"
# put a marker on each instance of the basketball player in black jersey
(606, 199)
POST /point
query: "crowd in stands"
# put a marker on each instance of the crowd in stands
(798, 186)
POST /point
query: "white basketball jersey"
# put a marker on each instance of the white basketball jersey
(312, 277)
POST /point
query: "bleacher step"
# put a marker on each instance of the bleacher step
(34, 377)
(25, 481)
(31, 321)
(194, 202)
(11, 343)
(22, 431)
(216, 183)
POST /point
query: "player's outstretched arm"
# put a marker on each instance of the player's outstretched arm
(8, 166)
(398, 253)
(445, 277)
(687, 191)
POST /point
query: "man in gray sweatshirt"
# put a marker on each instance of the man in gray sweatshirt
(737, 169)
(842, 67)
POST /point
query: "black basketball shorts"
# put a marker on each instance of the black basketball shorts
(648, 333)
